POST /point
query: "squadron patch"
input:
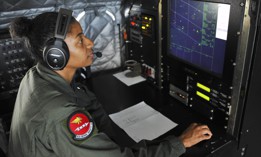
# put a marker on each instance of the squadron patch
(80, 125)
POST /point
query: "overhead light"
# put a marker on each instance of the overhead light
(111, 15)
(79, 17)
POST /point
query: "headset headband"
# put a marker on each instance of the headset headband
(62, 23)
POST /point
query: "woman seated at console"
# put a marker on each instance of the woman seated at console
(56, 116)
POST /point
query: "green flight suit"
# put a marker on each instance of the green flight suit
(53, 118)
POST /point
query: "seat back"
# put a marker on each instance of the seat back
(3, 140)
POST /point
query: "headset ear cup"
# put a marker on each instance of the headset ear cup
(56, 54)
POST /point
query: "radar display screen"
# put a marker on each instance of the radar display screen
(198, 33)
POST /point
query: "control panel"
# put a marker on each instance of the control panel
(208, 95)
(14, 61)
(143, 44)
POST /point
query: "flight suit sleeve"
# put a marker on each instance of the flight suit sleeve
(170, 146)
(68, 140)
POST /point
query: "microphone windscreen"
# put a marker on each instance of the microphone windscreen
(98, 54)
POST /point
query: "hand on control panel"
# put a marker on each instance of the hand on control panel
(194, 134)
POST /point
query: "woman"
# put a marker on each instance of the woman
(54, 116)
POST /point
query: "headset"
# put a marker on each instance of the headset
(56, 53)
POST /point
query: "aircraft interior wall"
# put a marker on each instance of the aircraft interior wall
(204, 55)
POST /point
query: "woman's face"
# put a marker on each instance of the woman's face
(80, 47)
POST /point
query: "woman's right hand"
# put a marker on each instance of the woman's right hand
(194, 134)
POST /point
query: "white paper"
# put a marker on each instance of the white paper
(142, 122)
(128, 80)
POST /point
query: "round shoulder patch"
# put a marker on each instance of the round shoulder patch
(80, 125)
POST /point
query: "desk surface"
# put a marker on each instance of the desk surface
(115, 96)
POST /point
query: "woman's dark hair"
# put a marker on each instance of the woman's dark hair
(36, 32)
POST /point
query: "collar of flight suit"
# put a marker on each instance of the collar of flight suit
(54, 78)
(81, 95)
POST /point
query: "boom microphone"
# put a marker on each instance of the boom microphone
(98, 54)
